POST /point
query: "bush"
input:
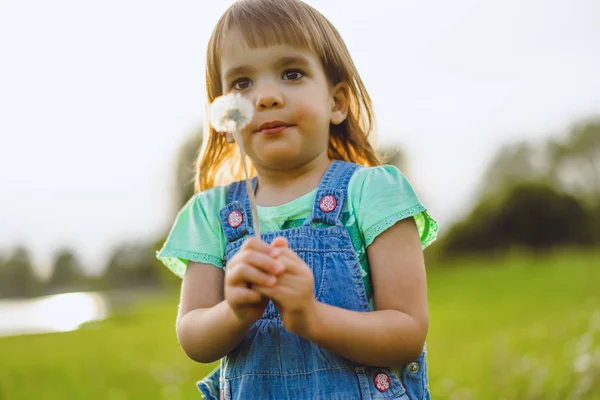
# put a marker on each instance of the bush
(533, 216)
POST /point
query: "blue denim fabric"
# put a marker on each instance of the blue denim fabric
(270, 362)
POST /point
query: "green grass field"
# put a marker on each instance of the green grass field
(516, 328)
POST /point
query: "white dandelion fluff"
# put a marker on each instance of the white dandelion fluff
(229, 114)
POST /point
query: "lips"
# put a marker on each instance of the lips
(272, 127)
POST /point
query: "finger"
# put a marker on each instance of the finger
(259, 260)
(274, 293)
(255, 243)
(241, 295)
(245, 274)
(292, 262)
(278, 294)
(280, 242)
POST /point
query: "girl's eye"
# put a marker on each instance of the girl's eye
(241, 84)
(292, 75)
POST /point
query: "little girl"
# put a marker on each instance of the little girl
(330, 302)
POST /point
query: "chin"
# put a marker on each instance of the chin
(271, 153)
(279, 160)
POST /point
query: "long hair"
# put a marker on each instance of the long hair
(292, 22)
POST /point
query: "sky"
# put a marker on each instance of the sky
(97, 97)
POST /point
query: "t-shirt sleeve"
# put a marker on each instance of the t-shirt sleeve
(381, 196)
(197, 234)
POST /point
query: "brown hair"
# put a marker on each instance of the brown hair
(293, 22)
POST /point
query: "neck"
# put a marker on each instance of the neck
(279, 186)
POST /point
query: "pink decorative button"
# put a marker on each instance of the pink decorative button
(382, 382)
(235, 219)
(328, 203)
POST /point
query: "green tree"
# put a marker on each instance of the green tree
(570, 163)
(185, 172)
(17, 276)
(576, 162)
(514, 164)
(576, 167)
(534, 216)
(186, 169)
(536, 194)
(131, 265)
(67, 272)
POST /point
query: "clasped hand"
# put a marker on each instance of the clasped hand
(260, 272)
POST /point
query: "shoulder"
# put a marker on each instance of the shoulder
(196, 234)
(202, 209)
(213, 194)
(380, 196)
(209, 199)
(382, 176)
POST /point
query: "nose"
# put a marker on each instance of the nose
(268, 98)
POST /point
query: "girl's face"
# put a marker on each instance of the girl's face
(294, 102)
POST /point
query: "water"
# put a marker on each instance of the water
(57, 313)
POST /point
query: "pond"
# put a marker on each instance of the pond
(56, 313)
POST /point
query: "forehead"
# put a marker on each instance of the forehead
(236, 52)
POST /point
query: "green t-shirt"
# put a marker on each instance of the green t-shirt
(378, 197)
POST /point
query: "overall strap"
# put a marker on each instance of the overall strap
(332, 193)
(236, 216)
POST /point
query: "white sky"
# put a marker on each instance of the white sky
(96, 98)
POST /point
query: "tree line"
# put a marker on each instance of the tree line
(533, 195)
(130, 265)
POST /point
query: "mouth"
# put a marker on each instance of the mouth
(272, 127)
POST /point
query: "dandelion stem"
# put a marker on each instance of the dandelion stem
(255, 224)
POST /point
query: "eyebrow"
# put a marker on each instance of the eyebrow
(241, 70)
(292, 60)
(281, 63)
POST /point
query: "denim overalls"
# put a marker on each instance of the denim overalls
(270, 362)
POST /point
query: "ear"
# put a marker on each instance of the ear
(339, 103)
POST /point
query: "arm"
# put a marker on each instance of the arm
(216, 310)
(394, 334)
(207, 327)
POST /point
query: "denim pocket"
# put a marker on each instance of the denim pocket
(379, 384)
(414, 376)
(338, 280)
(210, 385)
(317, 263)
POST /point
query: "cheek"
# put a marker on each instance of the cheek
(301, 113)
(311, 113)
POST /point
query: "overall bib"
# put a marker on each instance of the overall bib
(270, 362)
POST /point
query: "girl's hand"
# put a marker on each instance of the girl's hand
(293, 295)
(253, 265)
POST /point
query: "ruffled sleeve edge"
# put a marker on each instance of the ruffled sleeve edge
(426, 225)
(177, 260)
